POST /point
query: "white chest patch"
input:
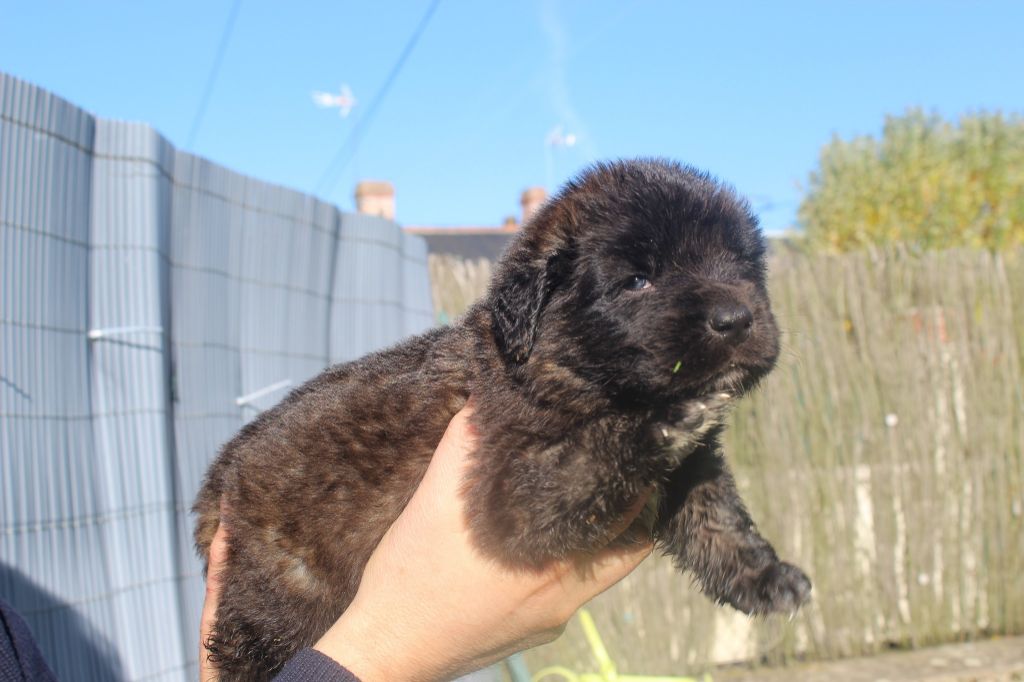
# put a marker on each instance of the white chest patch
(692, 422)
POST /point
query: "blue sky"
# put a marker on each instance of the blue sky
(747, 90)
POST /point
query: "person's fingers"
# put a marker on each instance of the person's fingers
(609, 566)
(624, 522)
(437, 497)
(612, 564)
(460, 436)
(597, 573)
(214, 584)
(444, 474)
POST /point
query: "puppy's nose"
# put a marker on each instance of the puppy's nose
(731, 320)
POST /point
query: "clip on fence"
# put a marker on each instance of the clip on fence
(608, 673)
(97, 334)
(256, 395)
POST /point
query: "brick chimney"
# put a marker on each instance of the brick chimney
(376, 197)
(531, 200)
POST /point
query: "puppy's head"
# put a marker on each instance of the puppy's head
(645, 279)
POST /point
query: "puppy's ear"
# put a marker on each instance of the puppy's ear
(519, 296)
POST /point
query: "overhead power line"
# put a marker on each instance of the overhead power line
(348, 148)
(225, 36)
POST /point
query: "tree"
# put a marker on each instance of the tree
(926, 181)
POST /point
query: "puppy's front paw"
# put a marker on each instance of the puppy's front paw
(689, 422)
(702, 414)
(779, 588)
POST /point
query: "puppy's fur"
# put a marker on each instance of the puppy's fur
(619, 326)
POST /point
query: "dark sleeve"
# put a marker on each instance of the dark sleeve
(20, 658)
(309, 665)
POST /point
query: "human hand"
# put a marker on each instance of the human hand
(431, 607)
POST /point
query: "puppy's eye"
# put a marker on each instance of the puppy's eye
(637, 282)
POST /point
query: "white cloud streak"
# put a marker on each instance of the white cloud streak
(557, 78)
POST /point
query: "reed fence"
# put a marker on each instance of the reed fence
(885, 455)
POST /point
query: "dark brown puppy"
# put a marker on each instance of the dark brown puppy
(617, 329)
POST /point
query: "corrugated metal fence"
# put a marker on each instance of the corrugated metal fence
(152, 302)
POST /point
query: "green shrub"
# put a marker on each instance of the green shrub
(926, 182)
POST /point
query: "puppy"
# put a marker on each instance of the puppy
(618, 328)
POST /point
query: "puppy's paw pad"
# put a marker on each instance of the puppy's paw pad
(781, 588)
